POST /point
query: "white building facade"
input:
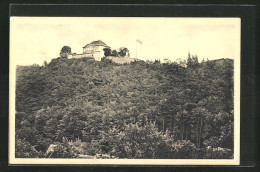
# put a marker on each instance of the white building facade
(93, 49)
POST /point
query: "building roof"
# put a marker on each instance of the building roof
(97, 43)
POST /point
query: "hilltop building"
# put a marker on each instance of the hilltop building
(93, 49)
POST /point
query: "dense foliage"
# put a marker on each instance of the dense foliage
(123, 51)
(107, 52)
(65, 51)
(137, 110)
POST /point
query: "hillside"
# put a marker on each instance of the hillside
(136, 110)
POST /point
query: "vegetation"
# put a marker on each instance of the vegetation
(65, 51)
(107, 52)
(114, 53)
(123, 51)
(137, 110)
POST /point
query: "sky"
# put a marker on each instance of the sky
(36, 39)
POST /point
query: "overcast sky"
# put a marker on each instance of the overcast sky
(35, 39)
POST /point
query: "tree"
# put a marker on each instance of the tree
(72, 124)
(193, 61)
(189, 60)
(114, 53)
(45, 63)
(137, 141)
(198, 116)
(107, 52)
(23, 149)
(123, 51)
(65, 51)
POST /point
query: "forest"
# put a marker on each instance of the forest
(140, 110)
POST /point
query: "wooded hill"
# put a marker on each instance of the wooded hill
(136, 110)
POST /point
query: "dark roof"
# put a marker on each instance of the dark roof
(98, 42)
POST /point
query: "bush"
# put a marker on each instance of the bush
(23, 149)
(63, 150)
(218, 153)
(184, 149)
(106, 60)
(69, 149)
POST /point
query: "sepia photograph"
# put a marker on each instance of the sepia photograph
(124, 90)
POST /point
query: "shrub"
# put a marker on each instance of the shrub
(184, 149)
(23, 149)
(218, 153)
